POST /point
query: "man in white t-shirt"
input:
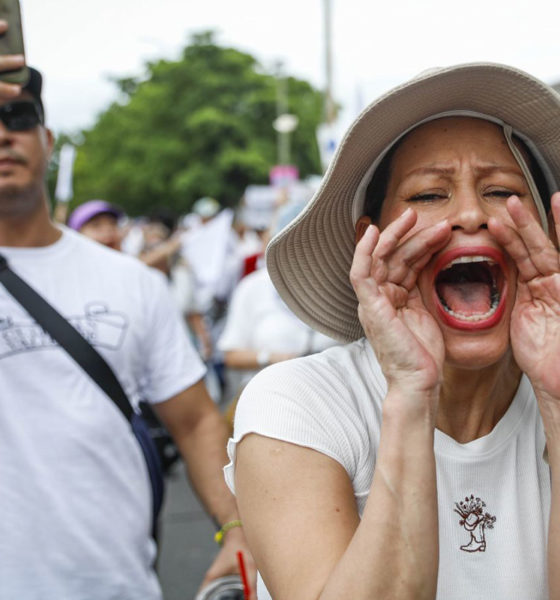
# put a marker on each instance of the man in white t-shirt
(75, 497)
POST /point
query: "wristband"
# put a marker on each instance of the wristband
(219, 535)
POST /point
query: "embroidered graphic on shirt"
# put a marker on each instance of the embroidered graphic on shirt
(100, 327)
(475, 521)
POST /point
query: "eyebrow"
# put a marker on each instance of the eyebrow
(480, 170)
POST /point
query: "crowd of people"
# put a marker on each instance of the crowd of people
(386, 374)
(236, 320)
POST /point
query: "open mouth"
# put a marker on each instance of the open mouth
(470, 287)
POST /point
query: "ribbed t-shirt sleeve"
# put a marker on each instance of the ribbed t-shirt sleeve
(304, 402)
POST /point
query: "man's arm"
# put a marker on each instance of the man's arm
(251, 359)
(200, 433)
(160, 254)
(199, 328)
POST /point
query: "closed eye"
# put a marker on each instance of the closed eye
(501, 193)
(427, 197)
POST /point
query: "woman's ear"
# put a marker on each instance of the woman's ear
(361, 226)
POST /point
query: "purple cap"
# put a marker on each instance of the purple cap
(86, 211)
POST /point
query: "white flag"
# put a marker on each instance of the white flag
(206, 248)
(64, 191)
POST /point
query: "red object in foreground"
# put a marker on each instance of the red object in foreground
(243, 573)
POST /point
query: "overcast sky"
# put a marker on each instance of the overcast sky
(79, 44)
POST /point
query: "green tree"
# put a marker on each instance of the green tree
(198, 126)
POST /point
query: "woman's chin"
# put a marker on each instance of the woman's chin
(475, 351)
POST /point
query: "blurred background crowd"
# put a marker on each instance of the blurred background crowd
(213, 259)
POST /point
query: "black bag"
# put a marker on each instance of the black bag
(151, 455)
(95, 366)
(166, 448)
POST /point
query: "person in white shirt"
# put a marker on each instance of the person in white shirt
(260, 329)
(75, 497)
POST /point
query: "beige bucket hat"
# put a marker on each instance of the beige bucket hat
(309, 261)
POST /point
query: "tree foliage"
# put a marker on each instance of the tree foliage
(199, 126)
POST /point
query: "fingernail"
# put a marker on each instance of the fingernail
(361, 229)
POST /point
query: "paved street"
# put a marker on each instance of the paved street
(187, 546)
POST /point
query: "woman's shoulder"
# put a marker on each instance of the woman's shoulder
(330, 402)
(338, 388)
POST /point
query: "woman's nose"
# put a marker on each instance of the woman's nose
(468, 212)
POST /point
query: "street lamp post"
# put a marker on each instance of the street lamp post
(285, 123)
(329, 103)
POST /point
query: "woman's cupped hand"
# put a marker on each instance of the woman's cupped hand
(405, 337)
(535, 320)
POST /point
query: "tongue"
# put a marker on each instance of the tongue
(467, 298)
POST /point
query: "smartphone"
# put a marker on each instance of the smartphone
(11, 42)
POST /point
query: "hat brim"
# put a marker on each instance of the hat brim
(309, 261)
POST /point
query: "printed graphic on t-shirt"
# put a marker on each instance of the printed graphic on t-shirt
(475, 521)
(100, 327)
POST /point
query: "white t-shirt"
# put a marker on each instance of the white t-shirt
(493, 492)
(75, 498)
(184, 289)
(258, 319)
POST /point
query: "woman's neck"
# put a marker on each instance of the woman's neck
(472, 402)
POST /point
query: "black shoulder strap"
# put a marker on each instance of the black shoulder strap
(67, 336)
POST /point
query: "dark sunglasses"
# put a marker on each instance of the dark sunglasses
(21, 115)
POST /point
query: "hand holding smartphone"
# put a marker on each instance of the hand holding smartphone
(12, 62)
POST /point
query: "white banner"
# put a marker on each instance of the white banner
(259, 205)
(64, 191)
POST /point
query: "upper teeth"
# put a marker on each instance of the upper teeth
(471, 259)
